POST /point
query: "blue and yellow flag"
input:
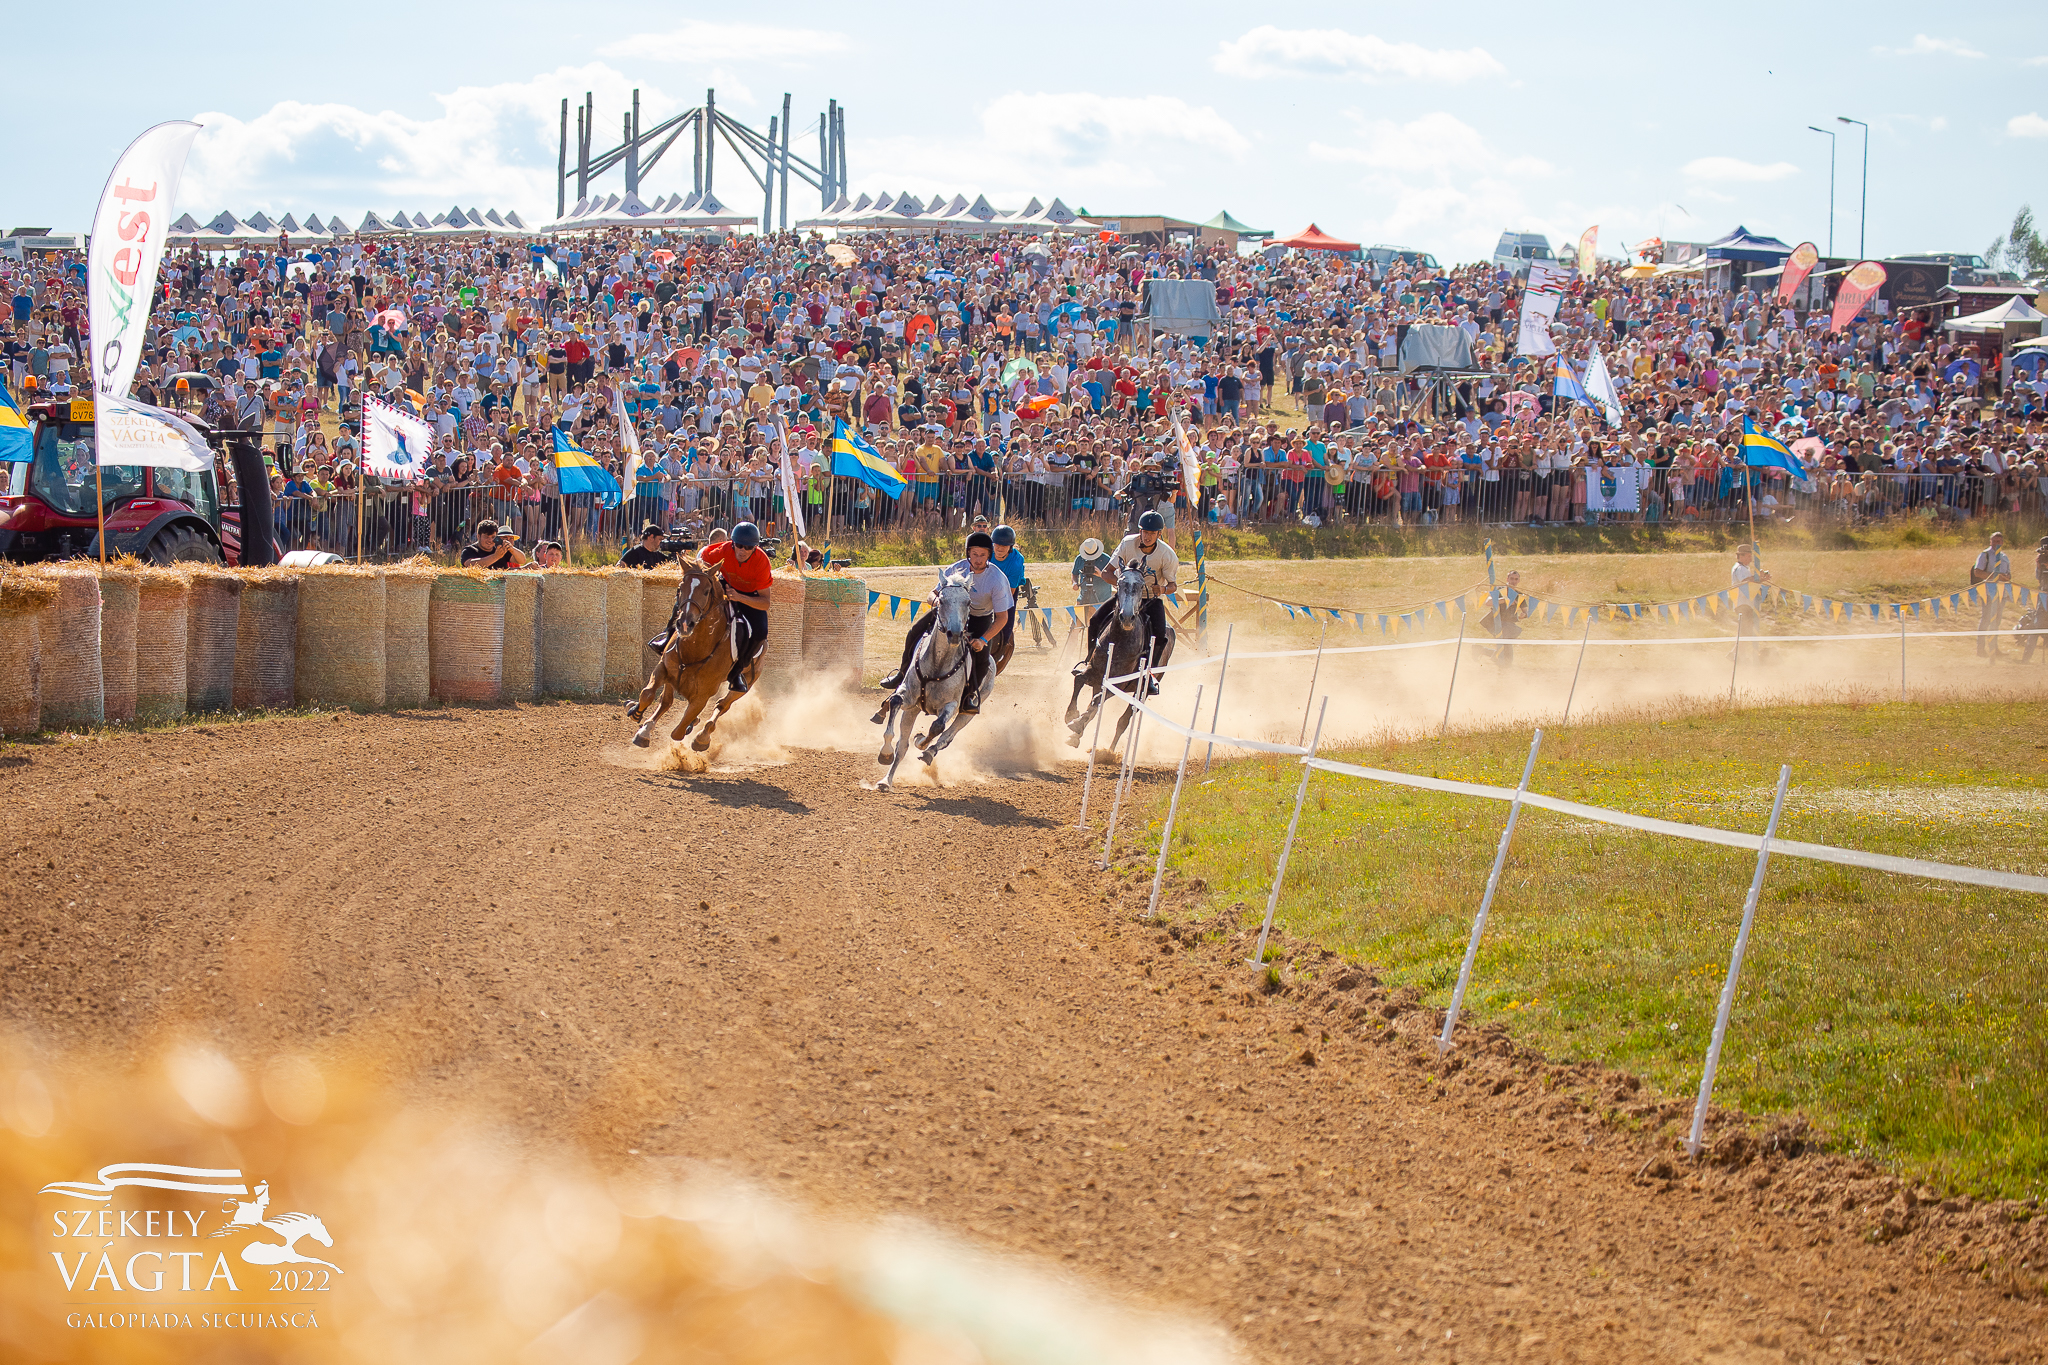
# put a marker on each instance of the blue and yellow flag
(1761, 450)
(854, 458)
(579, 473)
(17, 441)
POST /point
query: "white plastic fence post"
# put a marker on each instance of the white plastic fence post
(1578, 666)
(1736, 659)
(1902, 656)
(1314, 673)
(1089, 781)
(1216, 714)
(1756, 886)
(1452, 689)
(1500, 858)
(1127, 774)
(1173, 807)
(1280, 872)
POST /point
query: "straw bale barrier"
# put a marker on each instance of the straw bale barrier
(408, 661)
(267, 640)
(623, 647)
(782, 663)
(467, 628)
(212, 620)
(340, 656)
(835, 628)
(23, 599)
(658, 589)
(572, 633)
(70, 640)
(162, 608)
(119, 594)
(521, 651)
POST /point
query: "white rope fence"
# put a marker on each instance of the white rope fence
(1765, 844)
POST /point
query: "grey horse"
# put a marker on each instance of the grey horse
(934, 685)
(1118, 654)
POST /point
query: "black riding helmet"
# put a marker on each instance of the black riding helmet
(981, 540)
(746, 535)
(1151, 521)
(1004, 535)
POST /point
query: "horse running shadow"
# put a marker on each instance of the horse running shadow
(987, 811)
(740, 793)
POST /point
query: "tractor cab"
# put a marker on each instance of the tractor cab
(49, 506)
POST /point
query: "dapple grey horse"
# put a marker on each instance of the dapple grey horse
(1118, 654)
(934, 685)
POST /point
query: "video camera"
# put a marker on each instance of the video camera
(675, 541)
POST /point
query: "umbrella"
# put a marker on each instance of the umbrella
(390, 317)
(194, 381)
(941, 275)
(841, 253)
(664, 256)
(1019, 366)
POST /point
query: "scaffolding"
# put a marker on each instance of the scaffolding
(765, 157)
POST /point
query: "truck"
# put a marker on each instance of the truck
(159, 514)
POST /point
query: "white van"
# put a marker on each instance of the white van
(1517, 249)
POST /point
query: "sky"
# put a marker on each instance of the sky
(1435, 127)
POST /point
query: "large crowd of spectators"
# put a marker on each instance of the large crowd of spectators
(1020, 377)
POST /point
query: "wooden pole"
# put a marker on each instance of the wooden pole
(359, 514)
(99, 498)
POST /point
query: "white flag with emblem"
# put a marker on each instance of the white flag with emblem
(396, 444)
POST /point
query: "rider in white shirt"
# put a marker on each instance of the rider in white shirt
(1154, 558)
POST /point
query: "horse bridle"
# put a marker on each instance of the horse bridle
(955, 667)
(691, 579)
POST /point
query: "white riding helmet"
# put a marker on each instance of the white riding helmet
(1091, 547)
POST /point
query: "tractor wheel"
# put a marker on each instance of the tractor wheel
(181, 544)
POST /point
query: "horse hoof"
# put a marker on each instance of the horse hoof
(701, 743)
(884, 756)
(639, 741)
(918, 739)
(877, 718)
(1073, 741)
(881, 786)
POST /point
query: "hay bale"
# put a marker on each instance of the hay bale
(623, 647)
(521, 652)
(162, 607)
(212, 619)
(73, 692)
(572, 633)
(835, 628)
(658, 588)
(782, 663)
(266, 640)
(467, 628)
(408, 655)
(339, 658)
(119, 594)
(23, 599)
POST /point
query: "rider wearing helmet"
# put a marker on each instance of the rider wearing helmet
(988, 616)
(744, 566)
(1005, 555)
(1154, 558)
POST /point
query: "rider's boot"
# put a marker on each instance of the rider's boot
(736, 681)
(892, 680)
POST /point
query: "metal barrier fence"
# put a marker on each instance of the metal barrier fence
(399, 521)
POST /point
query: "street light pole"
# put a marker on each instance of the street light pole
(1831, 183)
(1863, 224)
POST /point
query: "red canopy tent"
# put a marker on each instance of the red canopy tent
(1313, 238)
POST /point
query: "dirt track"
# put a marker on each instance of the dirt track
(923, 1001)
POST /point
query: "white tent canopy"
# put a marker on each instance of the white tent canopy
(2014, 309)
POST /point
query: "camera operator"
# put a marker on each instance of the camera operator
(648, 554)
(493, 549)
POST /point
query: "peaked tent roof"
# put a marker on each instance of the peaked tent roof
(1223, 222)
(1744, 245)
(1313, 238)
(2014, 309)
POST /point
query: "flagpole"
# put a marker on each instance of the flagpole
(99, 497)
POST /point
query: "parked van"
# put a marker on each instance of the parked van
(1385, 256)
(1517, 249)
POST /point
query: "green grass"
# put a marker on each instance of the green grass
(1904, 1017)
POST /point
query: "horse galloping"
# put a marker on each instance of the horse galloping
(694, 659)
(934, 685)
(1123, 648)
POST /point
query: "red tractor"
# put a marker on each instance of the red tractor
(159, 514)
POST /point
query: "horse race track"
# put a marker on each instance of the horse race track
(925, 1002)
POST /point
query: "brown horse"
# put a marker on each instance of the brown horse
(693, 664)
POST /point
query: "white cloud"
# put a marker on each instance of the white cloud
(1084, 148)
(1437, 141)
(490, 146)
(1937, 124)
(2035, 61)
(700, 43)
(1924, 46)
(1719, 168)
(2026, 125)
(1269, 51)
